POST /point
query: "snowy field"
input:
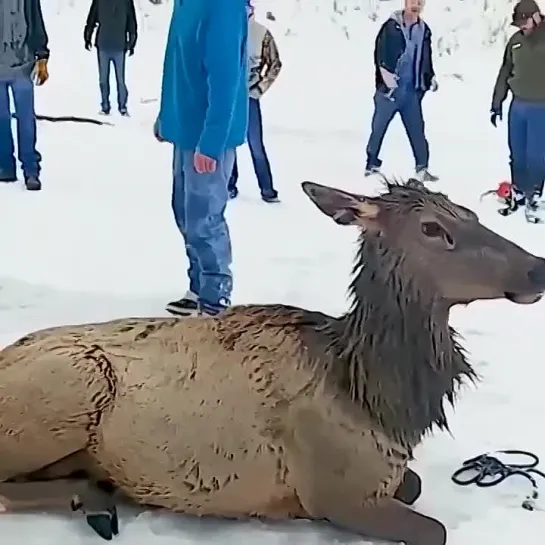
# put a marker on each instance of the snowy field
(99, 242)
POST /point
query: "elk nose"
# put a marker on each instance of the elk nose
(537, 274)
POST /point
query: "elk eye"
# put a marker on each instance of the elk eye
(432, 229)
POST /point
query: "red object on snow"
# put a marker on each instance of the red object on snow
(504, 190)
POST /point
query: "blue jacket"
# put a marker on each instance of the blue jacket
(389, 48)
(204, 95)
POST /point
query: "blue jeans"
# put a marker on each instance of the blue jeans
(105, 60)
(526, 134)
(260, 160)
(22, 89)
(408, 104)
(198, 202)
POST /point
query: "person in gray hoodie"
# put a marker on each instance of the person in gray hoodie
(23, 63)
(403, 74)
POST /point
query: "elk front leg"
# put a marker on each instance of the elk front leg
(82, 496)
(410, 488)
(329, 466)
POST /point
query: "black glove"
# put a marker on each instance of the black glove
(495, 115)
(88, 45)
(131, 52)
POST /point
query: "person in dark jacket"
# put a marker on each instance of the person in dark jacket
(116, 36)
(23, 63)
(403, 74)
(522, 73)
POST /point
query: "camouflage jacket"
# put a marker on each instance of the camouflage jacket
(263, 57)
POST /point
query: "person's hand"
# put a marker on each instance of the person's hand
(495, 115)
(40, 74)
(204, 164)
(88, 45)
(434, 85)
(131, 52)
(157, 131)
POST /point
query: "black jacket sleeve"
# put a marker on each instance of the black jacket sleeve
(430, 49)
(383, 57)
(37, 39)
(501, 87)
(92, 22)
(132, 26)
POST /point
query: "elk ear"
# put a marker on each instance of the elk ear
(343, 207)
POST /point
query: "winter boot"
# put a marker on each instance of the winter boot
(7, 176)
(33, 183)
(372, 166)
(270, 197)
(424, 175)
(186, 306)
(370, 170)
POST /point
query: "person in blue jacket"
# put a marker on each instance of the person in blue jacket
(204, 114)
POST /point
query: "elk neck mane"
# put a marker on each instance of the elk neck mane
(396, 355)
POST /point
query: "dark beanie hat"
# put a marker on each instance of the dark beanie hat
(523, 10)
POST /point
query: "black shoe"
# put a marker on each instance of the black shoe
(186, 306)
(273, 198)
(233, 192)
(104, 111)
(33, 183)
(8, 179)
(7, 176)
(124, 112)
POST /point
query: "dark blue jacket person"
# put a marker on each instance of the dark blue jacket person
(403, 74)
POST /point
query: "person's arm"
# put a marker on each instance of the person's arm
(501, 87)
(428, 37)
(271, 65)
(382, 58)
(92, 22)
(132, 27)
(224, 61)
(38, 40)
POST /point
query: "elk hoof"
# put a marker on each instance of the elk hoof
(104, 522)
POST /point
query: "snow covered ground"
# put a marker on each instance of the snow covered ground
(99, 242)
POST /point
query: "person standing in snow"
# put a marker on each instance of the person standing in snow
(403, 74)
(115, 38)
(23, 62)
(204, 113)
(522, 73)
(264, 66)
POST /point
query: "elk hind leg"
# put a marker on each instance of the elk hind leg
(76, 495)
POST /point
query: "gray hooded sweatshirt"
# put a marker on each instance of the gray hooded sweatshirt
(23, 38)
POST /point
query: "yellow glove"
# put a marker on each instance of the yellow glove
(40, 73)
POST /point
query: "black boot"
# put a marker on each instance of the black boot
(33, 183)
(7, 176)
